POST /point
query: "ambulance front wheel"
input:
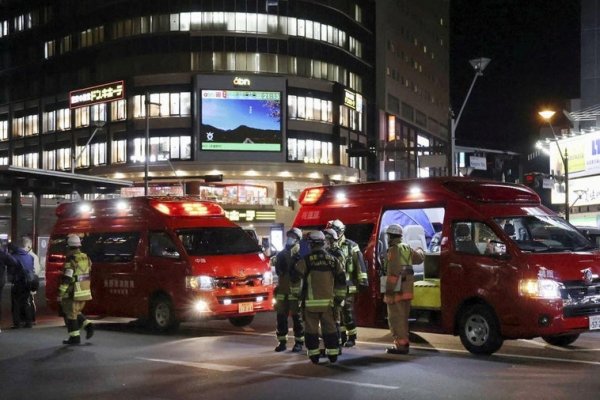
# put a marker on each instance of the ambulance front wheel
(162, 316)
(241, 321)
(562, 340)
(479, 330)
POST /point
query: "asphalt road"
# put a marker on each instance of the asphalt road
(214, 360)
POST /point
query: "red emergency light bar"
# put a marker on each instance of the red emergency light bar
(188, 208)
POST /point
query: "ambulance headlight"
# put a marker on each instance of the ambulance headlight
(199, 282)
(548, 289)
(201, 306)
(267, 278)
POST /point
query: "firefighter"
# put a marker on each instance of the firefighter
(323, 287)
(398, 266)
(356, 275)
(286, 293)
(331, 240)
(75, 290)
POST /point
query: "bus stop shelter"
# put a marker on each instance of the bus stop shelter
(39, 182)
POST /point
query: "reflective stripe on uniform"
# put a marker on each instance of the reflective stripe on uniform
(313, 352)
(318, 302)
(332, 352)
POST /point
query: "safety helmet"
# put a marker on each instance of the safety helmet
(394, 229)
(316, 238)
(296, 232)
(330, 233)
(73, 240)
(337, 225)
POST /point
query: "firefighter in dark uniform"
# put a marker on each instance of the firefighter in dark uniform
(75, 290)
(287, 294)
(398, 267)
(323, 287)
(356, 275)
(331, 240)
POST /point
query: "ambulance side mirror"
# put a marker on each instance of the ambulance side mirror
(170, 252)
(497, 249)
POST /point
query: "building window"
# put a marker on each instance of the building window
(49, 159)
(49, 49)
(169, 105)
(119, 151)
(163, 148)
(63, 119)
(357, 13)
(82, 117)
(63, 159)
(3, 130)
(310, 108)
(3, 28)
(118, 110)
(98, 112)
(49, 122)
(310, 151)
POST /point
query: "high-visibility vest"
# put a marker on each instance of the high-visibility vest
(76, 277)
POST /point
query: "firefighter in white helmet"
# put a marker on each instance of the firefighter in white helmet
(286, 292)
(323, 287)
(75, 290)
(398, 267)
(356, 276)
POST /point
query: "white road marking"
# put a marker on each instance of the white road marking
(229, 368)
(448, 350)
(211, 366)
(544, 345)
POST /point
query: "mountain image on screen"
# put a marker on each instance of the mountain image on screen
(241, 121)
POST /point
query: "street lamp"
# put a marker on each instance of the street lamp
(547, 116)
(148, 103)
(478, 64)
(75, 159)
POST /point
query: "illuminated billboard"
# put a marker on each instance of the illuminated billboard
(97, 94)
(240, 120)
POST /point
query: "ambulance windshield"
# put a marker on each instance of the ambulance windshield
(217, 241)
(543, 233)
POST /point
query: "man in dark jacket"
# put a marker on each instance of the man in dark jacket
(20, 269)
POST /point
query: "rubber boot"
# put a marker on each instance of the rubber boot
(351, 342)
(343, 338)
(314, 359)
(89, 330)
(73, 328)
(281, 347)
(400, 347)
(297, 347)
(87, 325)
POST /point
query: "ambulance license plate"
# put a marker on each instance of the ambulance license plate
(594, 322)
(248, 307)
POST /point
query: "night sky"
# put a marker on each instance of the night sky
(535, 50)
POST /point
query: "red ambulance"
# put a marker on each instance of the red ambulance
(499, 265)
(167, 259)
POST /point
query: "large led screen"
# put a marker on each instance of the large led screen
(240, 120)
